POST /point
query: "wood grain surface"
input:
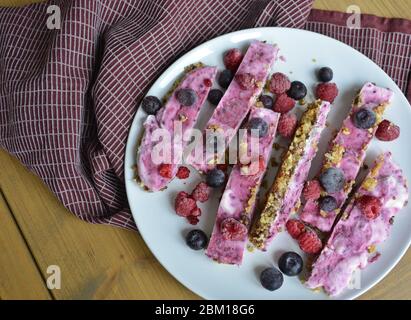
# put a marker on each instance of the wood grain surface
(101, 262)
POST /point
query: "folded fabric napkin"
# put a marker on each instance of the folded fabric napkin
(68, 96)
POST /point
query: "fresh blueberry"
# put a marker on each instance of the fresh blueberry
(151, 104)
(364, 118)
(214, 96)
(291, 264)
(297, 91)
(328, 203)
(332, 180)
(260, 125)
(224, 78)
(187, 97)
(215, 178)
(271, 279)
(325, 74)
(196, 239)
(267, 101)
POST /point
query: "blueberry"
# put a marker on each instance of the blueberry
(151, 104)
(215, 178)
(260, 125)
(267, 101)
(214, 96)
(196, 239)
(328, 203)
(187, 97)
(271, 279)
(224, 78)
(291, 264)
(325, 74)
(364, 118)
(332, 180)
(297, 91)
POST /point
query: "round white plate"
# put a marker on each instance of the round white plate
(164, 231)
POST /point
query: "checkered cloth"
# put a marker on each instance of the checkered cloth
(68, 96)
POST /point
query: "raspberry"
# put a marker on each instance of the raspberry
(279, 83)
(193, 220)
(184, 204)
(312, 190)
(387, 131)
(287, 125)
(246, 81)
(295, 228)
(232, 229)
(165, 170)
(370, 206)
(183, 172)
(196, 212)
(327, 92)
(283, 103)
(232, 59)
(201, 192)
(310, 242)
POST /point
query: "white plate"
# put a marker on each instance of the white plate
(164, 231)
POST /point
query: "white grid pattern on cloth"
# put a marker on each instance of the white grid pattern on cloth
(67, 97)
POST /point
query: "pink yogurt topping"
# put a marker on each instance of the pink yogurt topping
(165, 118)
(237, 101)
(348, 247)
(355, 142)
(237, 194)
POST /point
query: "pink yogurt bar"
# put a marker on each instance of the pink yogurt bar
(172, 113)
(237, 100)
(238, 200)
(283, 198)
(347, 152)
(355, 236)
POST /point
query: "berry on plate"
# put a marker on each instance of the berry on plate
(260, 125)
(370, 206)
(387, 131)
(151, 104)
(196, 239)
(287, 125)
(246, 81)
(312, 190)
(232, 59)
(364, 118)
(184, 205)
(232, 229)
(271, 279)
(214, 96)
(297, 91)
(310, 243)
(187, 97)
(332, 180)
(183, 172)
(215, 178)
(327, 92)
(279, 83)
(201, 192)
(325, 74)
(224, 78)
(295, 228)
(283, 103)
(328, 203)
(165, 170)
(291, 264)
(193, 220)
(267, 101)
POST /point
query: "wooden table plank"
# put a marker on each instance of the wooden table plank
(100, 262)
(19, 276)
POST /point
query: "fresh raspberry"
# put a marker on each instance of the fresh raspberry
(327, 92)
(370, 206)
(246, 81)
(183, 172)
(232, 59)
(165, 170)
(279, 83)
(295, 228)
(193, 220)
(387, 131)
(196, 212)
(233, 229)
(184, 204)
(201, 192)
(283, 103)
(310, 242)
(208, 83)
(312, 190)
(287, 125)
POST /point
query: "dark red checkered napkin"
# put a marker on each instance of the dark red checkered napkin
(68, 96)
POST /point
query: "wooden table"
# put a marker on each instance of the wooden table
(101, 262)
